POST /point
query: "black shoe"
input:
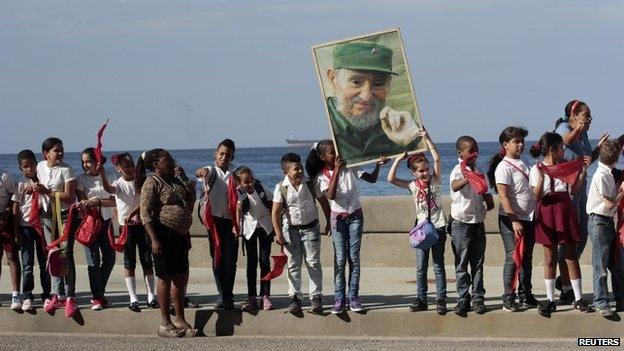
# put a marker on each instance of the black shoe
(153, 304)
(316, 304)
(188, 303)
(510, 305)
(546, 308)
(134, 307)
(418, 305)
(228, 305)
(566, 297)
(619, 306)
(529, 301)
(461, 309)
(441, 307)
(581, 306)
(295, 305)
(479, 307)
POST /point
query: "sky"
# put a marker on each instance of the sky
(186, 74)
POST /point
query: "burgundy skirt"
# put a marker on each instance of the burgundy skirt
(556, 222)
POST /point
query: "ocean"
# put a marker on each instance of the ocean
(265, 164)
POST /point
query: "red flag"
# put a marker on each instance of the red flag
(475, 178)
(518, 257)
(619, 239)
(232, 201)
(98, 146)
(210, 225)
(566, 171)
(279, 262)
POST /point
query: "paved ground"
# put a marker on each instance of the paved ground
(68, 342)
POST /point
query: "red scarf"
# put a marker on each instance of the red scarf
(619, 239)
(567, 171)
(518, 257)
(475, 178)
(209, 223)
(279, 262)
(120, 244)
(232, 195)
(98, 146)
(34, 217)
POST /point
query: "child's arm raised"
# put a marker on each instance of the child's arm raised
(372, 177)
(578, 183)
(437, 161)
(107, 186)
(392, 174)
(330, 193)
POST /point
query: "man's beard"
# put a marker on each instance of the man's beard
(362, 122)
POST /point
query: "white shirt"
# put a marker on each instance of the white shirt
(7, 189)
(435, 205)
(300, 205)
(347, 191)
(466, 205)
(519, 193)
(25, 201)
(258, 214)
(218, 192)
(126, 199)
(94, 189)
(560, 185)
(54, 179)
(602, 184)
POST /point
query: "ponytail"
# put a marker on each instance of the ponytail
(547, 142)
(314, 163)
(145, 163)
(494, 161)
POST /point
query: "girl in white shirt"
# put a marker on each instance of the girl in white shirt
(100, 256)
(509, 177)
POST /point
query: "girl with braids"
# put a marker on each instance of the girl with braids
(339, 185)
(425, 189)
(573, 128)
(509, 177)
(552, 182)
(165, 209)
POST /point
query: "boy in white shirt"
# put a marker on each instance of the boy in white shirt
(295, 221)
(602, 201)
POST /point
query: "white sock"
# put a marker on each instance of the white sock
(550, 289)
(576, 286)
(567, 288)
(15, 294)
(149, 284)
(131, 285)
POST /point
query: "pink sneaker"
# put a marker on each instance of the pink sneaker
(70, 307)
(51, 305)
(266, 303)
(97, 304)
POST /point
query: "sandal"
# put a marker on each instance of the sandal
(189, 332)
(170, 331)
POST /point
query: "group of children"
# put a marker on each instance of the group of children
(547, 204)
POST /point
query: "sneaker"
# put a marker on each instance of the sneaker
(339, 307)
(441, 307)
(546, 308)
(27, 305)
(581, 306)
(479, 307)
(295, 305)
(566, 297)
(70, 307)
(510, 305)
(418, 305)
(97, 304)
(461, 309)
(316, 304)
(16, 303)
(251, 304)
(153, 304)
(134, 307)
(51, 305)
(188, 303)
(355, 304)
(529, 301)
(266, 303)
(606, 312)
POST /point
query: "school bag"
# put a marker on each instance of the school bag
(89, 229)
(424, 235)
(57, 263)
(245, 204)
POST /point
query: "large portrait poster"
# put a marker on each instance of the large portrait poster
(369, 98)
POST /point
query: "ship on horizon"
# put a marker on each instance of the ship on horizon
(300, 142)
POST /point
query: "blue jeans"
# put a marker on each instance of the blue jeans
(100, 258)
(602, 233)
(422, 263)
(347, 238)
(509, 269)
(31, 241)
(469, 248)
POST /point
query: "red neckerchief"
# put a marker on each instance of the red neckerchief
(566, 171)
(475, 178)
(98, 146)
(34, 217)
(232, 201)
(423, 194)
(518, 168)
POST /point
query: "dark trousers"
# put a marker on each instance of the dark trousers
(509, 269)
(251, 246)
(225, 273)
(31, 244)
(469, 248)
(100, 259)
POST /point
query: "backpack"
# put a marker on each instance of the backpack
(89, 229)
(284, 193)
(259, 189)
(424, 235)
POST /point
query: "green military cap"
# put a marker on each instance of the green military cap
(363, 56)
